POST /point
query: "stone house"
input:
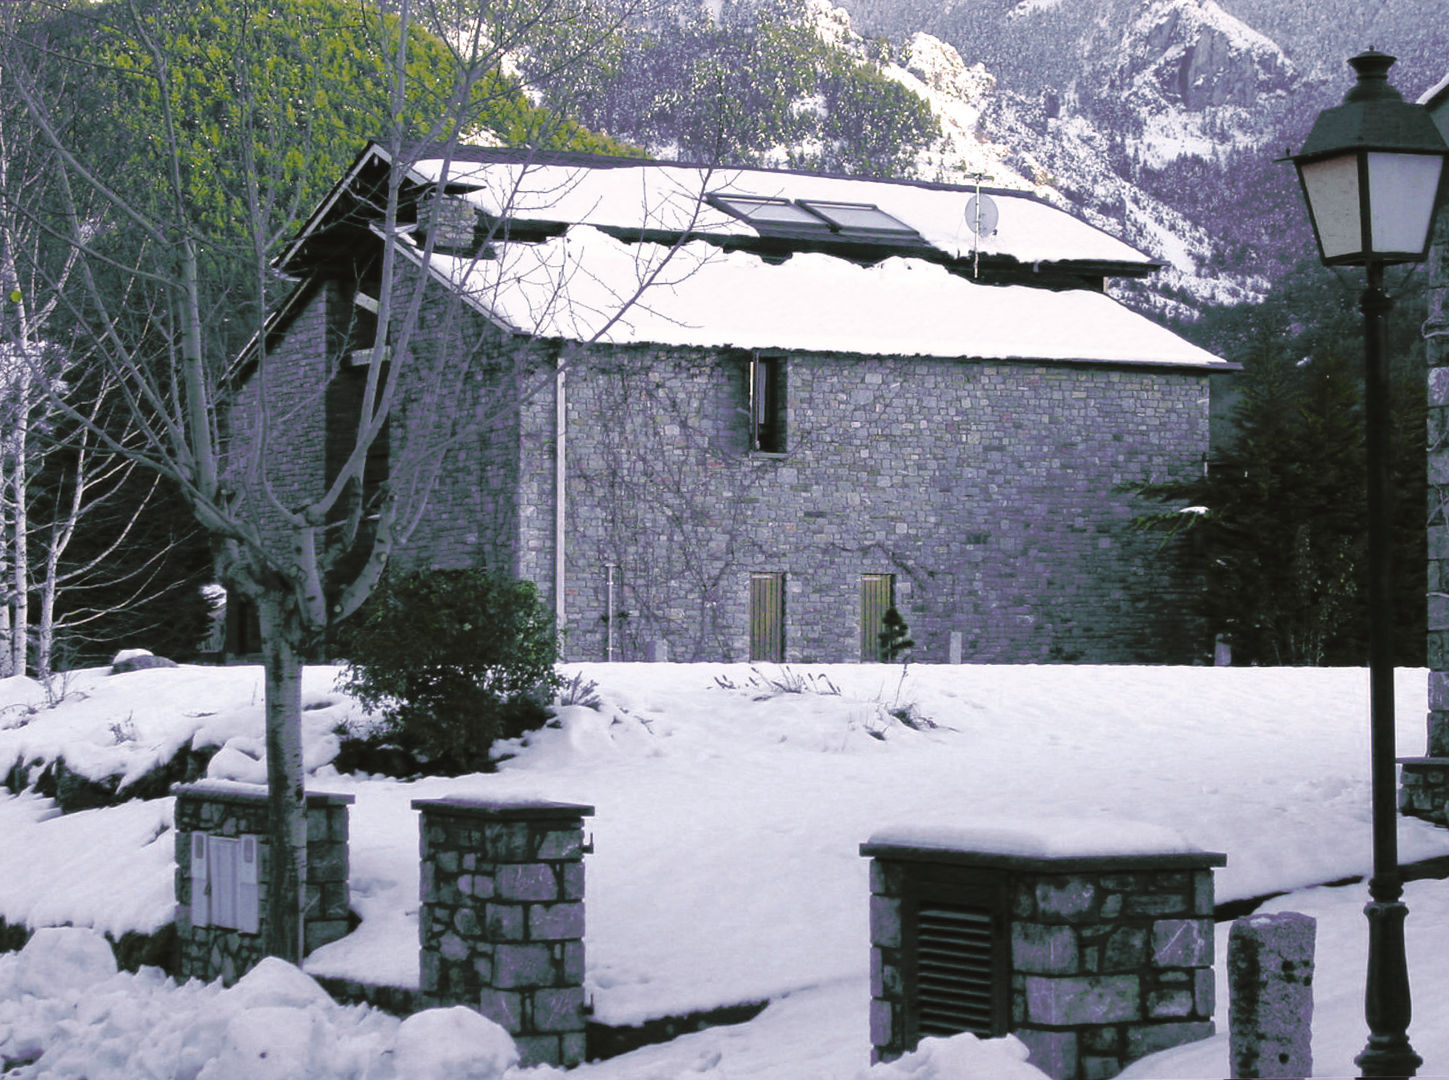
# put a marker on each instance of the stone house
(730, 414)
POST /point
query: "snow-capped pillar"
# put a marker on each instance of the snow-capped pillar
(1270, 995)
(222, 865)
(501, 924)
(1091, 959)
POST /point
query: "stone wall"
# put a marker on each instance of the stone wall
(501, 925)
(1425, 779)
(1100, 961)
(986, 489)
(232, 810)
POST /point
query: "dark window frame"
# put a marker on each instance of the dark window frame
(769, 403)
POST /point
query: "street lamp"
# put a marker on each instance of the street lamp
(1370, 172)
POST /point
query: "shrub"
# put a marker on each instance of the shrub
(452, 660)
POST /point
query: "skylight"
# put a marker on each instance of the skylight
(858, 217)
(760, 210)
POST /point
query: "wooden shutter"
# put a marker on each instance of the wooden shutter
(767, 617)
(877, 595)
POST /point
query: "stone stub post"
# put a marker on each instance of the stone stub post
(1093, 961)
(501, 925)
(1270, 995)
(209, 942)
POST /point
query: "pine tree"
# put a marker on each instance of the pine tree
(894, 641)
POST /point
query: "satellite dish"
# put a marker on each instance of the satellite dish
(982, 215)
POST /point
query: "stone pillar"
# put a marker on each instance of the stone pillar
(1270, 995)
(501, 926)
(1425, 780)
(955, 653)
(1093, 961)
(231, 810)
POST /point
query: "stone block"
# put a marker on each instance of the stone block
(1070, 899)
(1102, 999)
(560, 1009)
(319, 932)
(555, 922)
(1438, 740)
(1053, 1052)
(561, 844)
(1144, 1039)
(885, 922)
(1204, 992)
(1169, 1004)
(1158, 904)
(1100, 1068)
(538, 1050)
(525, 881)
(1270, 995)
(504, 922)
(465, 921)
(507, 841)
(570, 956)
(571, 881)
(881, 1030)
(452, 947)
(1044, 950)
(885, 878)
(1125, 949)
(1182, 942)
(522, 965)
(503, 1007)
(572, 1048)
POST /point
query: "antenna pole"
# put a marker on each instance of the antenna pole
(976, 228)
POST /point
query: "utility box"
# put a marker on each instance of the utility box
(1093, 950)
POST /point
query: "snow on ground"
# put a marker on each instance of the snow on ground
(729, 815)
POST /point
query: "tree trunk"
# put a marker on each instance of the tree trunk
(282, 642)
(20, 624)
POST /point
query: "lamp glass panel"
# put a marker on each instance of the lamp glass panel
(1401, 199)
(1333, 196)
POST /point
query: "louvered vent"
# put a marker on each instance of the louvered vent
(954, 973)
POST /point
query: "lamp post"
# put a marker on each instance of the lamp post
(1370, 171)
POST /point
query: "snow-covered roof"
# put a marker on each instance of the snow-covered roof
(669, 197)
(588, 286)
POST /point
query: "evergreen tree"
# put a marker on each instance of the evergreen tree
(1279, 519)
(894, 641)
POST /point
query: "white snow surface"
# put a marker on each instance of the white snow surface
(728, 819)
(670, 197)
(1044, 837)
(583, 287)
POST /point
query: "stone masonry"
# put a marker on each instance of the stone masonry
(1425, 780)
(234, 810)
(989, 490)
(1098, 960)
(501, 926)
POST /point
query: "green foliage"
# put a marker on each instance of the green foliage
(453, 660)
(894, 641)
(1277, 527)
(754, 81)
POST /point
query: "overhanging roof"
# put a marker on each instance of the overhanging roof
(587, 286)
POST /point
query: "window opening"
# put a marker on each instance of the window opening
(767, 617)
(858, 217)
(763, 210)
(767, 404)
(877, 596)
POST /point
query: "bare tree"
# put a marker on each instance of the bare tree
(147, 295)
